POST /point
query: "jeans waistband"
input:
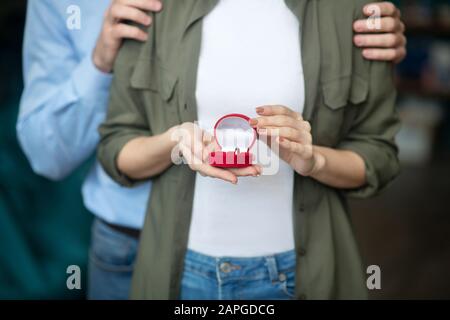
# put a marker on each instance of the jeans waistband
(243, 268)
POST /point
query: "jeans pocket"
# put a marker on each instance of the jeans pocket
(112, 250)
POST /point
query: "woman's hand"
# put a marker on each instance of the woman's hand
(293, 137)
(195, 145)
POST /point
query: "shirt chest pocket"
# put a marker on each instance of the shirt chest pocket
(337, 107)
(157, 84)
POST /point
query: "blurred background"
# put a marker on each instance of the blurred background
(44, 227)
(406, 231)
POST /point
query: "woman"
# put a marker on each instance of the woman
(292, 67)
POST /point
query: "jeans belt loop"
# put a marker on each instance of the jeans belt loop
(271, 264)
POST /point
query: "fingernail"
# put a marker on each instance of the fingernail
(359, 41)
(253, 122)
(260, 110)
(369, 9)
(359, 25)
(367, 54)
(158, 5)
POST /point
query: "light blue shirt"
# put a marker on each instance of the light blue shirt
(65, 100)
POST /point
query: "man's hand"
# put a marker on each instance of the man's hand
(388, 43)
(114, 30)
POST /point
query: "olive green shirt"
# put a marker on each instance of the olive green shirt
(350, 103)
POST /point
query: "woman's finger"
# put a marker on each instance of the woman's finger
(301, 136)
(196, 139)
(280, 121)
(276, 121)
(213, 172)
(306, 126)
(209, 145)
(305, 151)
(207, 138)
(251, 171)
(188, 155)
(278, 110)
(290, 146)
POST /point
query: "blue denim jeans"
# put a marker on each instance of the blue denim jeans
(111, 262)
(260, 278)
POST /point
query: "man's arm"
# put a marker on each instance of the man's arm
(387, 43)
(65, 99)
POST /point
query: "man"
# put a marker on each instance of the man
(67, 71)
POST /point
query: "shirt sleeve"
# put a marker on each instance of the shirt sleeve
(64, 98)
(126, 118)
(373, 133)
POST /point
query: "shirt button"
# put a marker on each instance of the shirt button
(302, 297)
(225, 267)
(282, 277)
(302, 252)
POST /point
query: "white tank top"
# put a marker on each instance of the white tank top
(250, 56)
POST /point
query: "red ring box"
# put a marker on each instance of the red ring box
(233, 133)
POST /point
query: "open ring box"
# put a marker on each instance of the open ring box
(235, 137)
